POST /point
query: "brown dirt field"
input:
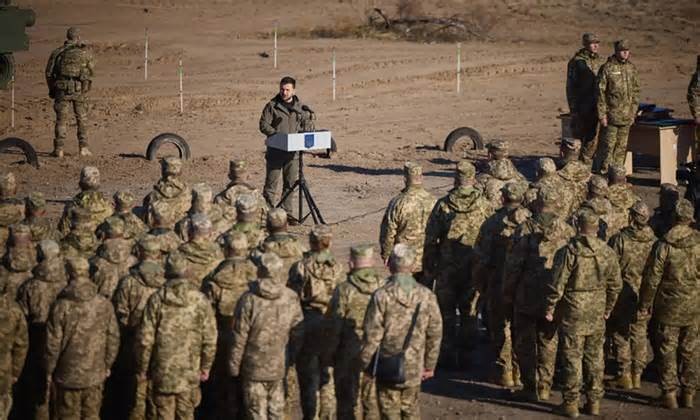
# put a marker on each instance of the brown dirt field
(396, 102)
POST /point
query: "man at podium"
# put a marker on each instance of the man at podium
(285, 114)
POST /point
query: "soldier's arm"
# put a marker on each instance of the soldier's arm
(209, 335)
(514, 263)
(49, 69)
(694, 96)
(387, 231)
(296, 333)
(54, 338)
(241, 328)
(561, 271)
(653, 273)
(266, 121)
(635, 91)
(112, 338)
(373, 331)
(571, 86)
(121, 301)
(602, 87)
(613, 284)
(20, 345)
(145, 336)
(336, 317)
(433, 334)
(433, 234)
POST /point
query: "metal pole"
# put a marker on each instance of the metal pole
(12, 103)
(145, 58)
(179, 71)
(301, 184)
(333, 74)
(459, 67)
(274, 54)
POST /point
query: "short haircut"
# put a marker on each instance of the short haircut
(288, 80)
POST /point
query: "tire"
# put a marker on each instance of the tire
(168, 138)
(453, 143)
(25, 147)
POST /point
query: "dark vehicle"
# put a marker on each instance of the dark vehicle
(13, 21)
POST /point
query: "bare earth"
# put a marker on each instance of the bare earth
(396, 102)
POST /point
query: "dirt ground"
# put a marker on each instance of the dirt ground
(396, 101)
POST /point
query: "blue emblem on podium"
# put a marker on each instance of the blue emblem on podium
(308, 140)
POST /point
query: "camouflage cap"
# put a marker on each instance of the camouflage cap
(498, 145)
(277, 218)
(548, 196)
(151, 268)
(684, 210)
(35, 201)
(149, 244)
(616, 172)
(501, 169)
(77, 267)
(587, 217)
(171, 165)
(546, 166)
(90, 177)
(362, 251)
(236, 241)
(8, 184)
(201, 225)
(73, 33)
(237, 166)
(513, 192)
(20, 233)
(124, 199)
(246, 203)
(465, 169)
(570, 144)
(48, 249)
(176, 265)
(319, 232)
(412, 170)
(598, 185)
(640, 210)
(589, 38)
(270, 265)
(114, 227)
(403, 255)
(202, 192)
(621, 45)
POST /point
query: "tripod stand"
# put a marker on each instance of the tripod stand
(304, 194)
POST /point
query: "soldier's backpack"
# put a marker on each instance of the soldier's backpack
(70, 62)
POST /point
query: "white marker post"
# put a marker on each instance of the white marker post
(180, 72)
(459, 67)
(274, 48)
(333, 61)
(12, 103)
(145, 58)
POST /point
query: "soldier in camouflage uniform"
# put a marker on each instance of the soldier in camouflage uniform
(202, 204)
(113, 259)
(19, 260)
(69, 74)
(662, 218)
(407, 215)
(314, 278)
(628, 330)
(451, 233)
(498, 172)
(171, 191)
(13, 347)
(238, 175)
(581, 90)
(694, 104)
(134, 227)
(224, 286)
(90, 199)
(356, 393)
(82, 343)
(175, 344)
(391, 311)
(41, 227)
(575, 174)
(671, 286)
(268, 332)
(547, 177)
(585, 285)
(81, 240)
(280, 242)
(528, 271)
(247, 214)
(201, 251)
(618, 99)
(492, 245)
(35, 297)
(11, 208)
(598, 203)
(621, 197)
(162, 229)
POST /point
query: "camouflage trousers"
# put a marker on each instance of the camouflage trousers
(263, 400)
(141, 393)
(316, 386)
(280, 164)
(583, 364)
(398, 404)
(78, 404)
(535, 343)
(5, 405)
(629, 344)
(63, 108)
(178, 406)
(356, 394)
(677, 342)
(499, 322)
(585, 127)
(458, 331)
(612, 149)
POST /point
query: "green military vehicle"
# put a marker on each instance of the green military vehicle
(13, 20)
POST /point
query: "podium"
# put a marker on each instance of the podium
(301, 142)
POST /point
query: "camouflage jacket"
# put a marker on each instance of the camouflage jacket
(552, 182)
(11, 212)
(174, 194)
(80, 242)
(94, 202)
(41, 229)
(278, 117)
(496, 175)
(694, 95)
(203, 258)
(405, 222)
(602, 207)
(585, 285)
(618, 91)
(575, 175)
(16, 268)
(176, 340)
(112, 262)
(268, 319)
(286, 246)
(82, 337)
(671, 282)
(134, 227)
(168, 240)
(528, 265)
(215, 215)
(254, 234)
(227, 199)
(581, 78)
(14, 342)
(37, 295)
(133, 292)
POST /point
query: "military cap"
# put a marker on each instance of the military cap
(77, 267)
(176, 265)
(589, 38)
(237, 166)
(616, 172)
(321, 232)
(271, 265)
(684, 210)
(200, 224)
(36, 201)
(546, 165)
(202, 192)
(8, 184)
(73, 33)
(598, 185)
(171, 165)
(151, 268)
(90, 177)
(570, 144)
(236, 241)
(277, 218)
(513, 192)
(501, 169)
(124, 199)
(48, 248)
(548, 196)
(587, 217)
(149, 244)
(246, 203)
(21, 233)
(466, 169)
(403, 255)
(412, 170)
(641, 210)
(362, 251)
(114, 227)
(498, 145)
(621, 45)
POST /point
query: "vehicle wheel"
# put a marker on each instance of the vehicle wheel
(165, 138)
(25, 147)
(462, 139)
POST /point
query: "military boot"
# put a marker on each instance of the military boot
(687, 399)
(592, 408)
(569, 409)
(57, 153)
(85, 152)
(624, 381)
(636, 379)
(668, 400)
(516, 377)
(543, 393)
(505, 379)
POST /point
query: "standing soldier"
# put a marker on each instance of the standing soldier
(285, 114)
(171, 192)
(402, 317)
(314, 278)
(175, 344)
(671, 285)
(499, 171)
(82, 343)
(280, 242)
(90, 199)
(355, 392)
(547, 177)
(11, 208)
(238, 175)
(618, 99)
(19, 260)
(69, 74)
(247, 216)
(42, 228)
(694, 105)
(621, 197)
(113, 259)
(406, 216)
(450, 236)
(201, 251)
(581, 90)
(81, 240)
(598, 203)
(268, 332)
(134, 227)
(13, 347)
(662, 219)
(629, 330)
(163, 229)
(202, 204)
(585, 285)
(575, 173)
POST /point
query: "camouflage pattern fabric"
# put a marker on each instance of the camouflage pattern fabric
(622, 198)
(575, 175)
(263, 399)
(227, 199)
(134, 227)
(286, 246)
(553, 182)
(172, 195)
(253, 232)
(78, 403)
(400, 403)
(674, 343)
(215, 214)
(168, 240)
(602, 207)
(13, 344)
(581, 90)
(693, 97)
(203, 256)
(42, 229)
(11, 212)
(180, 405)
(111, 264)
(17, 267)
(95, 206)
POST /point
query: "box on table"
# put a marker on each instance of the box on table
(318, 140)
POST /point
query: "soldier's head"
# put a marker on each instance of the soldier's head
(362, 256)
(237, 170)
(176, 266)
(668, 196)
(587, 222)
(200, 228)
(412, 174)
(402, 259)
(73, 34)
(498, 149)
(639, 214)
(287, 88)
(35, 205)
(124, 201)
(545, 167)
(547, 198)
(170, 166)
(77, 268)
(513, 194)
(270, 266)
(236, 244)
(48, 249)
(114, 227)
(320, 237)
(20, 235)
(246, 208)
(149, 248)
(201, 198)
(683, 212)
(277, 220)
(598, 187)
(8, 185)
(89, 178)
(617, 174)
(591, 42)
(465, 174)
(569, 149)
(622, 50)
(161, 215)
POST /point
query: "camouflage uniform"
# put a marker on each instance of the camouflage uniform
(170, 193)
(162, 230)
(246, 215)
(81, 240)
(82, 343)
(581, 90)
(134, 227)
(13, 347)
(285, 245)
(224, 286)
(499, 171)
(90, 200)
(19, 260)
(548, 178)
(11, 208)
(68, 75)
(202, 253)
(618, 99)
(575, 174)
(451, 233)
(113, 259)
(238, 174)
(621, 197)
(629, 332)
(694, 104)
(35, 297)
(671, 285)
(407, 215)
(585, 285)
(598, 203)
(662, 219)
(202, 204)
(314, 278)
(528, 271)
(388, 319)
(356, 393)
(41, 227)
(267, 334)
(175, 344)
